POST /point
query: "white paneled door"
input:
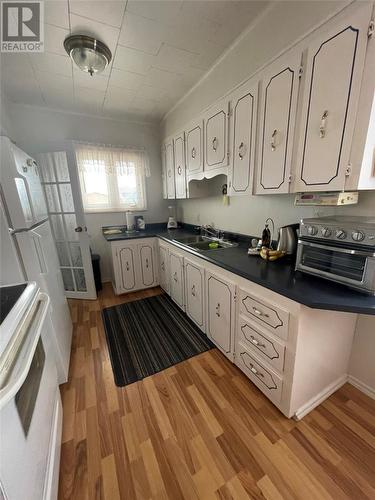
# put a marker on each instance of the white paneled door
(179, 165)
(216, 136)
(333, 78)
(194, 147)
(278, 103)
(194, 292)
(65, 210)
(169, 168)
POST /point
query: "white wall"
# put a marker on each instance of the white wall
(5, 121)
(37, 130)
(362, 362)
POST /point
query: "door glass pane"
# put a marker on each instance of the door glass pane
(80, 280)
(68, 279)
(52, 198)
(63, 254)
(66, 198)
(75, 252)
(62, 171)
(58, 227)
(46, 168)
(71, 224)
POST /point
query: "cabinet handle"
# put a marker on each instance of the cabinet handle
(146, 263)
(127, 266)
(273, 140)
(175, 277)
(169, 173)
(162, 266)
(179, 170)
(323, 125)
(193, 153)
(241, 150)
(259, 312)
(255, 371)
(255, 342)
(193, 291)
(218, 310)
(214, 143)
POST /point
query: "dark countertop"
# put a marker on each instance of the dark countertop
(278, 276)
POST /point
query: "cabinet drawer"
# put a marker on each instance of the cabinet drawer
(264, 378)
(256, 339)
(268, 315)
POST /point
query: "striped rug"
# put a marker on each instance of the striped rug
(149, 335)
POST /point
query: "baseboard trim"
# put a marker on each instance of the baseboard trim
(319, 398)
(369, 391)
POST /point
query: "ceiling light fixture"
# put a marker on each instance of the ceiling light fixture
(89, 54)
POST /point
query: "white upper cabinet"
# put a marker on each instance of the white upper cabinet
(278, 103)
(216, 136)
(169, 167)
(179, 165)
(164, 172)
(194, 147)
(244, 103)
(334, 70)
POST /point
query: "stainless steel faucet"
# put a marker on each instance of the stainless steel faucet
(208, 229)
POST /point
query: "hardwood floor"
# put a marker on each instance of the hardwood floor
(200, 429)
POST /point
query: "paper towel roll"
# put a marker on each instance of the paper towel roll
(130, 221)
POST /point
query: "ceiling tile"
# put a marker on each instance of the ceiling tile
(56, 12)
(84, 80)
(158, 10)
(173, 59)
(27, 92)
(59, 99)
(107, 12)
(165, 79)
(126, 79)
(103, 32)
(52, 63)
(142, 34)
(54, 37)
(50, 81)
(132, 60)
(151, 92)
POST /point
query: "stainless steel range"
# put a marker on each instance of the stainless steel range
(340, 249)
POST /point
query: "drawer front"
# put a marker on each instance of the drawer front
(256, 339)
(270, 316)
(264, 378)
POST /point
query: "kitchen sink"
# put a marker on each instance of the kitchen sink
(202, 243)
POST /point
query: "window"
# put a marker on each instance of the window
(112, 179)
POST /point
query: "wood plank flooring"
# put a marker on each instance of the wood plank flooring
(201, 430)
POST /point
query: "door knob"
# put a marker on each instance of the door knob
(79, 229)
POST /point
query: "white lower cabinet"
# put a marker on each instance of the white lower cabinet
(164, 266)
(134, 265)
(220, 297)
(176, 273)
(194, 292)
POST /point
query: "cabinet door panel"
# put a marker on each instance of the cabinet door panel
(179, 164)
(164, 172)
(333, 77)
(194, 286)
(127, 264)
(279, 88)
(176, 269)
(146, 254)
(194, 148)
(164, 268)
(169, 161)
(244, 120)
(220, 312)
(216, 136)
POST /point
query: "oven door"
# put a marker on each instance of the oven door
(352, 267)
(27, 403)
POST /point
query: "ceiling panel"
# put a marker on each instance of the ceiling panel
(160, 49)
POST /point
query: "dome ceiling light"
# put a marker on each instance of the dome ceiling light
(89, 54)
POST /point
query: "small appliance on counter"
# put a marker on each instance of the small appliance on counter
(130, 222)
(340, 249)
(172, 223)
(287, 239)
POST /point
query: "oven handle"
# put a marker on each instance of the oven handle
(337, 249)
(20, 365)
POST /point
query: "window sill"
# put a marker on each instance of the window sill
(113, 210)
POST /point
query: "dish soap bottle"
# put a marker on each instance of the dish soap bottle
(266, 237)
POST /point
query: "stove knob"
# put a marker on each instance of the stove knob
(340, 234)
(326, 232)
(358, 236)
(312, 230)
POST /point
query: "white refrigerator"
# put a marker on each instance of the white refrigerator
(28, 251)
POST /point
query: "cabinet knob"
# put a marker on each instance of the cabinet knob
(241, 150)
(179, 170)
(193, 291)
(255, 371)
(169, 173)
(146, 263)
(127, 266)
(162, 266)
(218, 310)
(273, 140)
(323, 125)
(255, 342)
(214, 143)
(193, 153)
(175, 277)
(258, 312)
